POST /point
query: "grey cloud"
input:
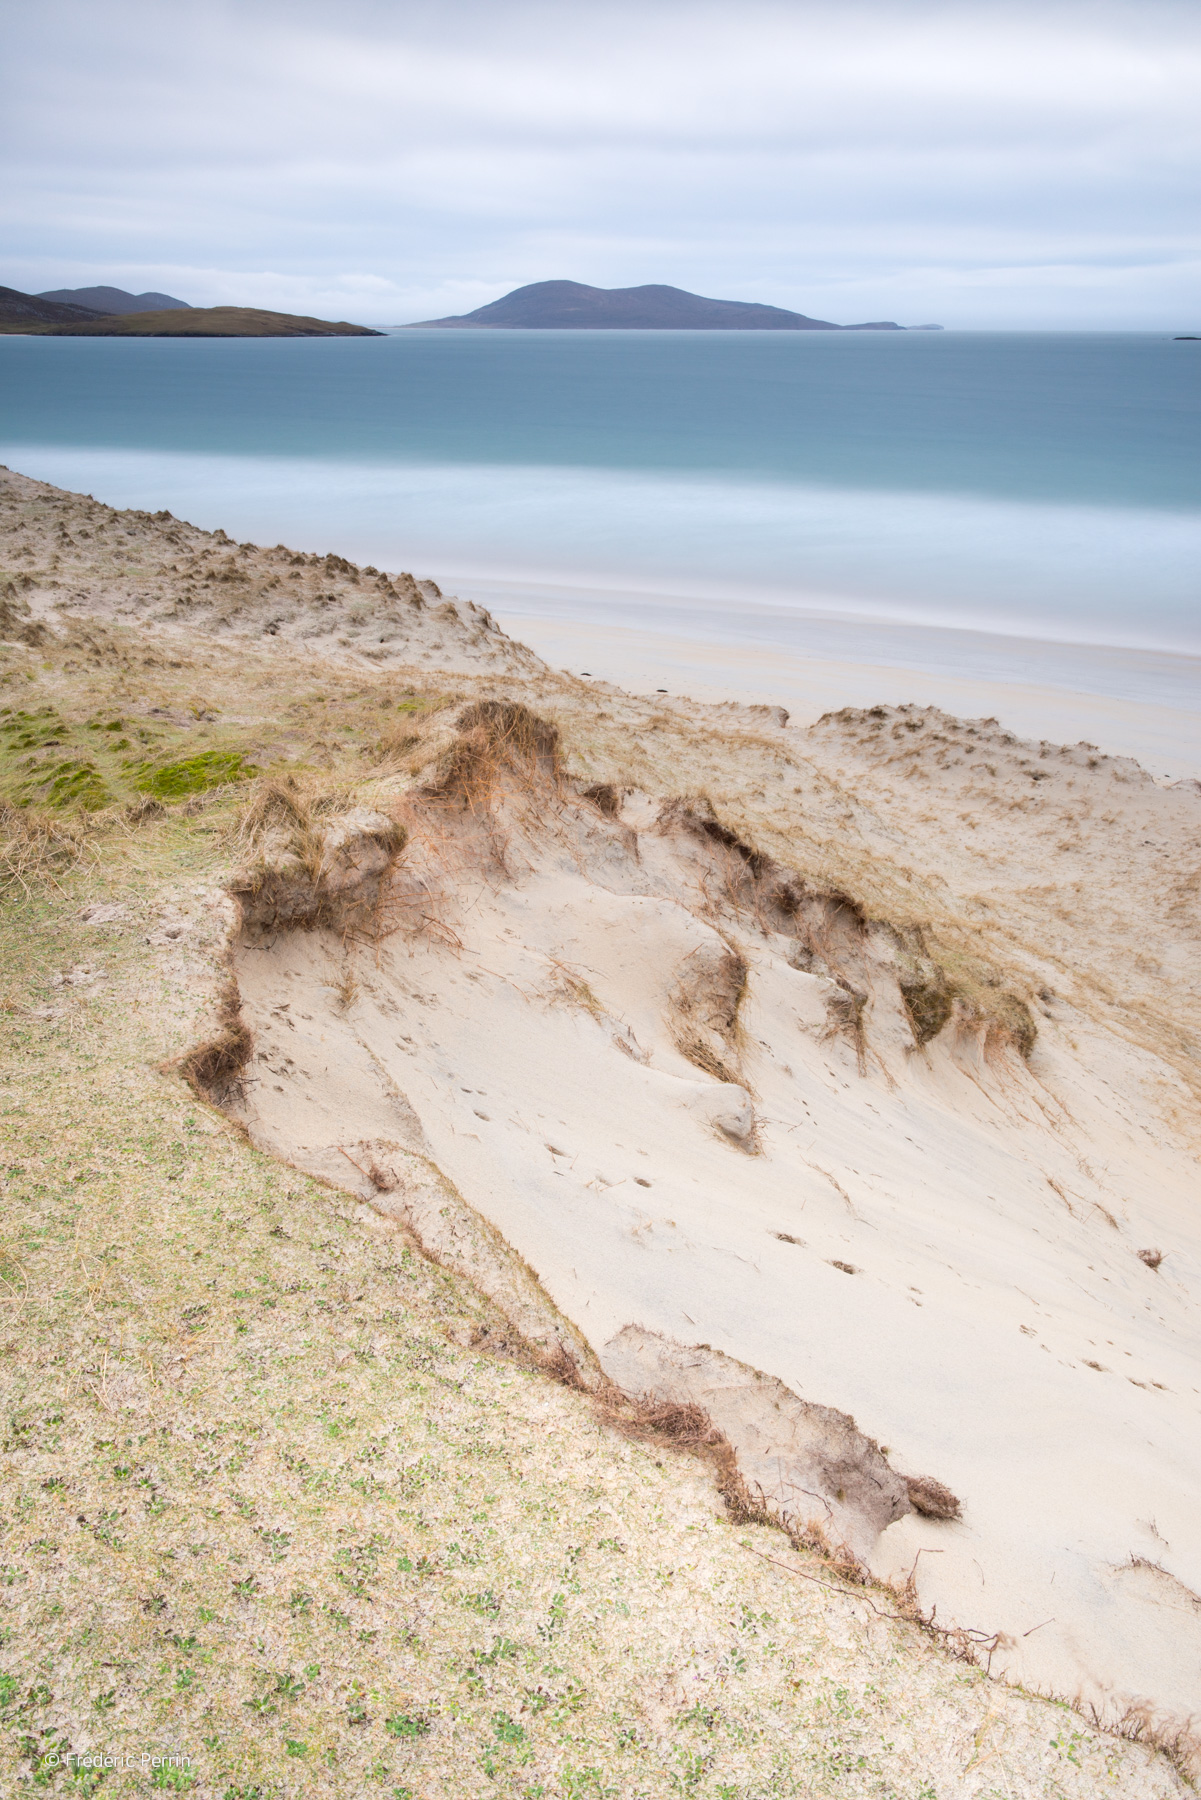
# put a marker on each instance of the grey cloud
(984, 163)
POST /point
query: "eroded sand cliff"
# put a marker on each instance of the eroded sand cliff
(842, 1083)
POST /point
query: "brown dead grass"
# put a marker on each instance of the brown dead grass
(37, 846)
(496, 738)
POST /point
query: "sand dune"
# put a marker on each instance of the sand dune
(841, 1082)
(711, 1104)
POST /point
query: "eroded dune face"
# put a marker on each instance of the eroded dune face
(724, 1142)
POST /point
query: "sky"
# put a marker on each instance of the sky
(980, 164)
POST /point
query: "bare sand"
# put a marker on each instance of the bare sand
(1144, 703)
(839, 1078)
(697, 1106)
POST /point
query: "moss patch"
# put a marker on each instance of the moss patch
(73, 783)
(193, 774)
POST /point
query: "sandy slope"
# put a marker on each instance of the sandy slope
(942, 1242)
(812, 1074)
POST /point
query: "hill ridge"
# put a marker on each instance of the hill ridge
(114, 299)
(655, 306)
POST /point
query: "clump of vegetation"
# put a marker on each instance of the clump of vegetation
(929, 1001)
(35, 844)
(61, 782)
(72, 783)
(495, 738)
(31, 730)
(1013, 1022)
(193, 774)
(312, 857)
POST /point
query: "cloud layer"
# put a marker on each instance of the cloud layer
(980, 164)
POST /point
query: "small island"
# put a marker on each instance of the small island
(35, 315)
(573, 306)
(213, 322)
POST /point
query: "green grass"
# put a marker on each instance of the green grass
(89, 765)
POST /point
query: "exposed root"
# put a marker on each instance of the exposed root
(684, 1427)
(845, 1009)
(213, 1069)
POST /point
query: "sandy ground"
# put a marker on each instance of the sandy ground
(840, 1079)
(651, 1083)
(1068, 703)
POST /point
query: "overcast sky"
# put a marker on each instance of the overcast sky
(978, 164)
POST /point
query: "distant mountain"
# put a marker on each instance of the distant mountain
(113, 300)
(570, 305)
(30, 312)
(208, 322)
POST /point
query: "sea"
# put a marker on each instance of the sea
(987, 503)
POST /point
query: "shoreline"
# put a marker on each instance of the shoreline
(1144, 704)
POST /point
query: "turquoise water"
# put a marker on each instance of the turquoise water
(1045, 486)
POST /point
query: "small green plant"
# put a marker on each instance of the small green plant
(173, 1777)
(554, 1622)
(1069, 1745)
(407, 1725)
(693, 1765)
(585, 1784)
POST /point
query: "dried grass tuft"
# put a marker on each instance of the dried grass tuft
(272, 804)
(604, 796)
(496, 738)
(696, 1048)
(36, 845)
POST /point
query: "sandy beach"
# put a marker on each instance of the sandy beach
(1140, 703)
(810, 1050)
